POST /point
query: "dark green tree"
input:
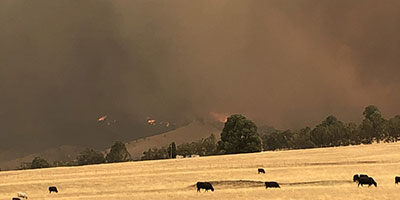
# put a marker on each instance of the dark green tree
(172, 150)
(186, 149)
(39, 162)
(373, 125)
(90, 156)
(147, 155)
(278, 140)
(393, 129)
(353, 131)
(209, 145)
(25, 165)
(239, 136)
(118, 153)
(301, 139)
(331, 132)
(155, 154)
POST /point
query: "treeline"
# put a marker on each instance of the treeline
(333, 132)
(203, 147)
(118, 153)
(240, 135)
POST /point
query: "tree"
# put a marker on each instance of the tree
(331, 132)
(301, 139)
(90, 156)
(354, 133)
(393, 129)
(278, 140)
(39, 162)
(209, 145)
(155, 154)
(25, 165)
(118, 153)
(373, 125)
(186, 149)
(172, 150)
(239, 136)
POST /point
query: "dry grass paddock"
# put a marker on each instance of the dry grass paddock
(324, 173)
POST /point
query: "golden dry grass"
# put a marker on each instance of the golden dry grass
(303, 174)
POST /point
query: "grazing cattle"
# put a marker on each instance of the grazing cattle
(356, 178)
(204, 185)
(15, 198)
(261, 170)
(396, 179)
(271, 184)
(53, 189)
(367, 181)
(22, 195)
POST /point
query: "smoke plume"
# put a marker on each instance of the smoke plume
(284, 63)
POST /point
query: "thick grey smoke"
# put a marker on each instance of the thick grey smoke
(282, 63)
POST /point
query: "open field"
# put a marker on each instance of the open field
(324, 173)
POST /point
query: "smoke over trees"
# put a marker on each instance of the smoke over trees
(333, 132)
(283, 63)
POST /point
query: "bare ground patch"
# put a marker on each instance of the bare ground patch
(253, 183)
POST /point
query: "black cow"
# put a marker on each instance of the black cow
(53, 189)
(204, 185)
(15, 198)
(396, 179)
(261, 170)
(367, 181)
(271, 184)
(356, 178)
(364, 175)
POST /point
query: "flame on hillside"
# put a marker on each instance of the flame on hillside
(101, 119)
(151, 121)
(105, 120)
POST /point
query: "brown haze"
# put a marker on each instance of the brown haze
(64, 64)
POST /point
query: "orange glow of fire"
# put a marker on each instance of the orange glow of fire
(103, 118)
(151, 121)
(221, 117)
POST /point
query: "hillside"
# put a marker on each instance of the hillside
(324, 173)
(62, 153)
(192, 132)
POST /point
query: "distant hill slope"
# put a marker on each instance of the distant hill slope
(62, 153)
(192, 132)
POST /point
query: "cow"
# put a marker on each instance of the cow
(53, 189)
(396, 179)
(261, 170)
(367, 181)
(204, 185)
(271, 184)
(364, 175)
(15, 198)
(22, 195)
(356, 178)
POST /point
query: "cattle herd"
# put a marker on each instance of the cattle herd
(360, 179)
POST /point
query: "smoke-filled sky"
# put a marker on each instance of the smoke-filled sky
(283, 63)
